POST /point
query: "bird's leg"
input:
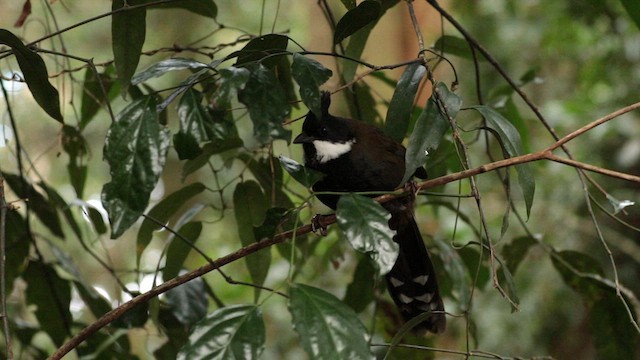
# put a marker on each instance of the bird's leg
(318, 226)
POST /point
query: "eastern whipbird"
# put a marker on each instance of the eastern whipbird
(358, 157)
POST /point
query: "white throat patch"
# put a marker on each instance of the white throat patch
(327, 150)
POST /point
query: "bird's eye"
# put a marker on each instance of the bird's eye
(324, 130)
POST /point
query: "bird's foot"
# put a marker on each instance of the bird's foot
(318, 226)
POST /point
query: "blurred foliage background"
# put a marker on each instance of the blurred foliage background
(577, 61)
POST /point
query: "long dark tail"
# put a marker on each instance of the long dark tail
(412, 281)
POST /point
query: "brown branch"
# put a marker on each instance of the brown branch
(545, 154)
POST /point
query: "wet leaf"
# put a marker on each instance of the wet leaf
(229, 333)
(300, 173)
(364, 223)
(360, 290)
(262, 49)
(179, 249)
(188, 302)
(328, 328)
(93, 96)
(232, 80)
(309, 74)
(162, 67)
(136, 148)
(268, 107)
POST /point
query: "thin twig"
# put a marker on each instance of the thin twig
(3, 279)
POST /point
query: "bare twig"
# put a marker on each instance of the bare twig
(3, 281)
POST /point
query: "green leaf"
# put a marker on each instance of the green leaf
(612, 329)
(162, 67)
(270, 177)
(355, 19)
(97, 304)
(17, 243)
(188, 302)
(272, 221)
(232, 80)
(506, 278)
(93, 95)
(163, 211)
(514, 253)
(354, 50)
(572, 266)
(229, 333)
(349, 4)
(471, 258)
(250, 207)
(35, 75)
(456, 271)
(136, 148)
(285, 79)
(309, 74)
(360, 290)
(262, 49)
(51, 295)
(399, 112)
(364, 223)
(267, 105)
(179, 250)
(430, 127)
(128, 31)
(208, 150)
(456, 46)
(205, 8)
(301, 174)
(134, 318)
(59, 203)
(328, 328)
(196, 125)
(633, 9)
(512, 144)
(74, 144)
(96, 219)
(43, 208)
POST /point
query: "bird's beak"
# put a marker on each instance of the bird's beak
(303, 138)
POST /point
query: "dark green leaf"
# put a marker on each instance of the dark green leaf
(471, 257)
(267, 105)
(136, 149)
(302, 174)
(134, 318)
(361, 103)
(58, 202)
(328, 328)
(179, 250)
(285, 79)
(164, 210)
(269, 175)
(191, 81)
(74, 144)
(456, 271)
(612, 331)
(201, 7)
(106, 345)
(349, 4)
(515, 252)
(43, 208)
(573, 266)
(35, 74)
(364, 223)
(230, 333)
(177, 335)
(96, 91)
(232, 80)
(189, 302)
(208, 150)
(250, 207)
(455, 46)
(128, 31)
(360, 290)
(430, 127)
(633, 9)
(17, 242)
(96, 219)
(309, 74)
(512, 144)
(160, 68)
(354, 50)
(399, 112)
(51, 295)
(355, 19)
(195, 125)
(262, 49)
(505, 278)
(272, 221)
(94, 301)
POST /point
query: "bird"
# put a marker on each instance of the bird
(355, 156)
